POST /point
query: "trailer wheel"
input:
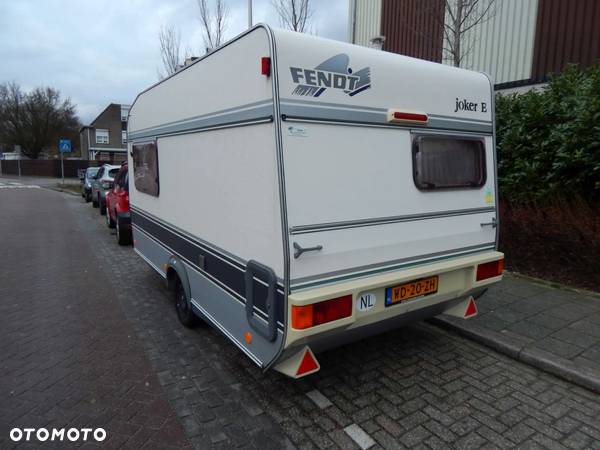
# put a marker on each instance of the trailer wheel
(110, 223)
(123, 235)
(101, 205)
(183, 306)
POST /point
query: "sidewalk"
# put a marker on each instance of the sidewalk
(40, 181)
(552, 329)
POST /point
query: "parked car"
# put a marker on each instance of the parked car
(101, 184)
(86, 183)
(117, 206)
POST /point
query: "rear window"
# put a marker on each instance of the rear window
(113, 173)
(145, 168)
(445, 162)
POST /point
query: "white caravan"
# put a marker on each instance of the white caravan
(298, 193)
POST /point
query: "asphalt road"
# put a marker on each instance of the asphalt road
(89, 337)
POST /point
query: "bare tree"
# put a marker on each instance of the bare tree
(214, 23)
(170, 50)
(454, 19)
(36, 120)
(461, 17)
(294, 15)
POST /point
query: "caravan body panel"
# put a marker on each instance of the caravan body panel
(218, 204)
(349, 170)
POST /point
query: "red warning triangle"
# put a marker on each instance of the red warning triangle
(308, 364)
(471, 309)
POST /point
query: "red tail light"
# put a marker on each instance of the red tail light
(265, 66)
(490, 270)
(395, 115)
(322, 312)
(410, 116)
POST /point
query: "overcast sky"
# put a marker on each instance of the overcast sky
(106, 51)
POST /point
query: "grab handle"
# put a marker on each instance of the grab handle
(493, 223)
(266, 274)
(300, 250)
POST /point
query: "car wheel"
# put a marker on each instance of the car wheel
(94, 202)
(183, 307)
(88, 197)
(123, 235)
(101, 205)
(110, 223)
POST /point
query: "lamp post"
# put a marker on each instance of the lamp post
(249, 14)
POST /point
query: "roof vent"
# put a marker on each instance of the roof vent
(377, 42)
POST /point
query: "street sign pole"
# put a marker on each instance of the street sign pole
(64, 146)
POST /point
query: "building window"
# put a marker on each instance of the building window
(124, 136)
(445, 162)
(145, 168)
(101, 136)
(124, 113)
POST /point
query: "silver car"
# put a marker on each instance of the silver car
(86, 182)
(101, 184)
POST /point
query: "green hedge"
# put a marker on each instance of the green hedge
(548, 140)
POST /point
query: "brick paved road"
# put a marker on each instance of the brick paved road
(414, 387)
(68, 356)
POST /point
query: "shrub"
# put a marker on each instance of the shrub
(548, 140)
(557, 241)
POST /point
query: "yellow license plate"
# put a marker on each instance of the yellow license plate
(417, 288)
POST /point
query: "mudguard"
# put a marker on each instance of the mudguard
(175, 264)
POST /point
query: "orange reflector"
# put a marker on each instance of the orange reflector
(248, 337)
(490, 270)
(302, 317)
(471, 308)
(308, 364)
(321, 312)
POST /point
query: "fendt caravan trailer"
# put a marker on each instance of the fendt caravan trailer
(298, 193)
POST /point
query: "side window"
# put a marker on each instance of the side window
(145, 168)
(446, 162)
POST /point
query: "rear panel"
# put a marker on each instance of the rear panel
(350, 186)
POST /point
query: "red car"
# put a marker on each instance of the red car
(118, 214)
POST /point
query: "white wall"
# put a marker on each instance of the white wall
(367, 22)
(502, 46)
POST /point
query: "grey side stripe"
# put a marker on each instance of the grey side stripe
(373, 269)
(375, 116)
(241, 115)
(302, 229)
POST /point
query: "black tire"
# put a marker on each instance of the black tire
(183, 307)
(101, 205)
(123, 234)
(110, 223)
(94, 202)
(88, 197)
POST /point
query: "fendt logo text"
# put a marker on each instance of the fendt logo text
(333, 73)
(57, 434)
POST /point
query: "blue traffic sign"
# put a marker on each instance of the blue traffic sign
(64, 146)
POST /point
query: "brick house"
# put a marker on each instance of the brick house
(105, 138)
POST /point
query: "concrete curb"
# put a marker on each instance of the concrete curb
(56, 189)
(581, 374)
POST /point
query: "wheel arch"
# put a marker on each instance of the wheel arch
(176, 271)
